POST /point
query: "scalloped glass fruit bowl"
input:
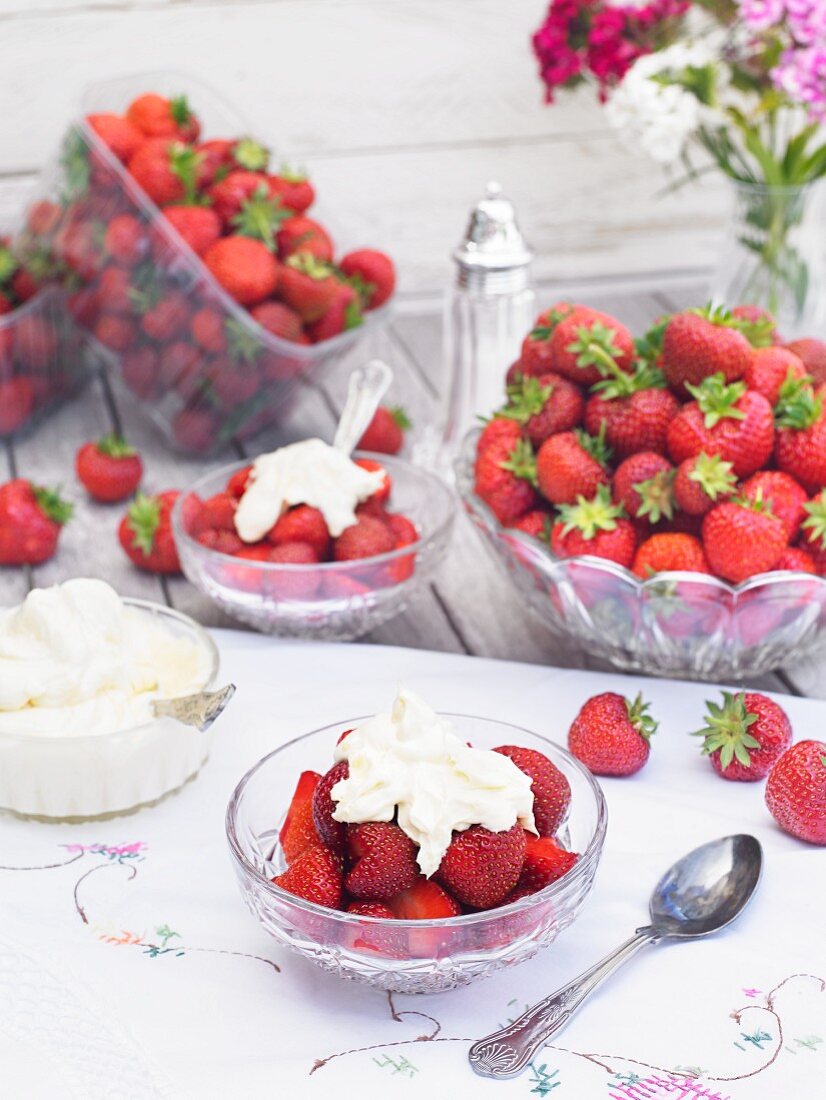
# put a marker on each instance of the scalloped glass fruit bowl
(683, 625)
(406, 956)
(337, 600)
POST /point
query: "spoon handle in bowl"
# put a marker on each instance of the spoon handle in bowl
(506, 1053)
(367, 386)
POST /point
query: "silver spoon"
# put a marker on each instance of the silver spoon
(368, 385)
(199, 710)
(703, 892)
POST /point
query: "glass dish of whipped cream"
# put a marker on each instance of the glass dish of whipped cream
(79, 670)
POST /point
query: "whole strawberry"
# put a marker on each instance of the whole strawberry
(110, 469)
(551, 790)
(315, 876)
(145, 533)
(611, 734)
(382, 860)
(198, 226)
(536, 357)
(544, 405)
(308, 286)
(331, 832)
(303, 234)
(480, 867)
(742, 538)
(385, 432)
(782, 494)
(297, 834)
(166, 170)
(156, 116)
(701, 482)
(812, 353)
(570, 465)
(596, 527)
(31, 519)
(700, 343)
(800, 449)
(745, 735)
(796, 791)
(293, 188)
(768, 370)
(372, 274)
(634, 410)
(670, 551)
(643, 485)
(366, 538)
(244, 268)
(586, 345)
(725, 420)
(505, 471)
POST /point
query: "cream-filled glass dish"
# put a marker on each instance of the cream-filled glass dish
(79, 671)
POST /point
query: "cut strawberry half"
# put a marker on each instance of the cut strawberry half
(424, 900)
(545, 862)
(298, 832)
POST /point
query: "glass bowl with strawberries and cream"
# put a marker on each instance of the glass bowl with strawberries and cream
(411, 856)
(80, 669)
(308, 542)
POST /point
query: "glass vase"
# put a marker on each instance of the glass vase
(775, 256)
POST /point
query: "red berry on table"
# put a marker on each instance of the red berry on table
(611, 734)
(382, 861)
(701, 482)
(331, 832)
(644, 485)
(109, 470)
(571, 465)
(551, 790)
(480, 868)
(385, 432)
(293, 189)
(246, 270)
(145, 533)
(586, 345)
(633, 410)
(800, 449)
(768, 370)
(545, 862)
(544, 405)
(366, 538)
(745, 735)
(724, 419)
(782, 494)
(424, 900)
(372, 274)
(668, 551)
(742, 538)
(156, 116)
(812, 354)
(505, 472)
(596, 527)
(796, 791)
(701, 343)
(316, 875)
(31, 519)
(298, 832)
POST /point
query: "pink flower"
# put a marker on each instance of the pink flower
(801, 74)
(759, 15)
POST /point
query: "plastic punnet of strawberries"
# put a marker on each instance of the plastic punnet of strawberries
(699, 447)
(368, 838)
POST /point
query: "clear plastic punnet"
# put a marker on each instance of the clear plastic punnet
(202, 383)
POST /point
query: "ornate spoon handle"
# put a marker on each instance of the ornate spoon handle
(368, 384)
(199, 710)
(507, 1052)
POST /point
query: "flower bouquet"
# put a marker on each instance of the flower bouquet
(737, 86)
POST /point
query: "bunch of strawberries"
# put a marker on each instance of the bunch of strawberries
(370, 869)
(131, 284)
(700, 447)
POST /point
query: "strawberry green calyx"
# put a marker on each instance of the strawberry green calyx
(815, 522)
(183, 163)
(143, 519)
(292, 175)
(8, 264)
(657, 496)
(727, 729)
(595, 445)
(180, 110)
(619, 383)
(798, 406)
(353, 316)
(590, 516)
(260, 216)
(52, 504)
(525, 399)
(549, 323)
(645, 725)
(310, 265)
(364, 289)
(401, 419)
(251, 154)
(521, 462)
(649, 346)
(115, 446)
(759, 331)
(594, 347)
(716, 314)
(717, 399)
(714, 475)
(243, 346)
(77, 171)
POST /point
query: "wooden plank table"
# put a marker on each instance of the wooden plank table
(470, 607)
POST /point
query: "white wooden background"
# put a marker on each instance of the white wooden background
(401, 109)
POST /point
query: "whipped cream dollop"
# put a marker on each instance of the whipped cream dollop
(74, 659)
(311, 472)
(412, 761)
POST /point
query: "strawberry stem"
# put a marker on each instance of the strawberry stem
(52, 505)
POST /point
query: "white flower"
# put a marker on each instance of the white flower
(661, 117)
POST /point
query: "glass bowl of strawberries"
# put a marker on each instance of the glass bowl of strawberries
(421, 938)
(662, 502)
(299, 582)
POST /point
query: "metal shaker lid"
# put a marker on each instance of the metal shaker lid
(493, 240)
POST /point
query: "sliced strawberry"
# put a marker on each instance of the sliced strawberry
(331, 832)
(315, 876)
(298, 831)
(424, 900)
(371, 909)
(545, 862)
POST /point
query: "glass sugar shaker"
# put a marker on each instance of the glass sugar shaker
(488, 311)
